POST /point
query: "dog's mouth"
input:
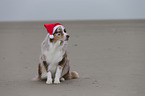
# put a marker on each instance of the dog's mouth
(51, 40)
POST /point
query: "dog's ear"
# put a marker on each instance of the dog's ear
(59, 29)
(56, 31)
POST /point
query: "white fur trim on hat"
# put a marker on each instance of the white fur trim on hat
(57, 27)
(51, 36)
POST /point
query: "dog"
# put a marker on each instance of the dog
(54, 63)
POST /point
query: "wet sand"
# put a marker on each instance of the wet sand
(108, 55)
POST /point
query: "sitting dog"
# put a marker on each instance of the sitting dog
(54, 63)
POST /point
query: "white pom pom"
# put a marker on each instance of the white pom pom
(51, 36)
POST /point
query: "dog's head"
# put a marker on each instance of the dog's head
(60, 34)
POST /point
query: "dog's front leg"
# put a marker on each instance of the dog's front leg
(58, 74)
(49, 78)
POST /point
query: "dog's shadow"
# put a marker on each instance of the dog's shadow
(43, 81)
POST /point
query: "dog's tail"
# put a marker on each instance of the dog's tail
(74, 75)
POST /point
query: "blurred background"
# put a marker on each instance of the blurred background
(42, 10)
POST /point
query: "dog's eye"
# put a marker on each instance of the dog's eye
(58, 34)
(64, 30)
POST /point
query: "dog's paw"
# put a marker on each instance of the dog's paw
(62, 79)
(56, 81)
(49, 81)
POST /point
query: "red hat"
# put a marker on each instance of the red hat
(51, 28)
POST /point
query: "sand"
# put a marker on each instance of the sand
(108, 55)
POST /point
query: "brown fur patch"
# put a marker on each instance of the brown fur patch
(67, 76)
(43, 69)
(74, 75)
(71, 75)
(62, 62)
(44, 57)
(45, 65)
(39, 71)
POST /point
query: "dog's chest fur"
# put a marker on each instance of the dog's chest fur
(54, 55)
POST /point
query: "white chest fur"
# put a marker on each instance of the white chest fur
(54, 54)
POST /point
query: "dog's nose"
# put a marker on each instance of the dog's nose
(67, 36)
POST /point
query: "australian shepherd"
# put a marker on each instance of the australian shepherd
(54, 64)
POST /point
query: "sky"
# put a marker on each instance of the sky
(37, 10)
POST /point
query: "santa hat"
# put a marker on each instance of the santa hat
(51, 28)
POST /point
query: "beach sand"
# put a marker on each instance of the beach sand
(108, 55)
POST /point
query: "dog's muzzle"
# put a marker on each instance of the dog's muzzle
(67, 37)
